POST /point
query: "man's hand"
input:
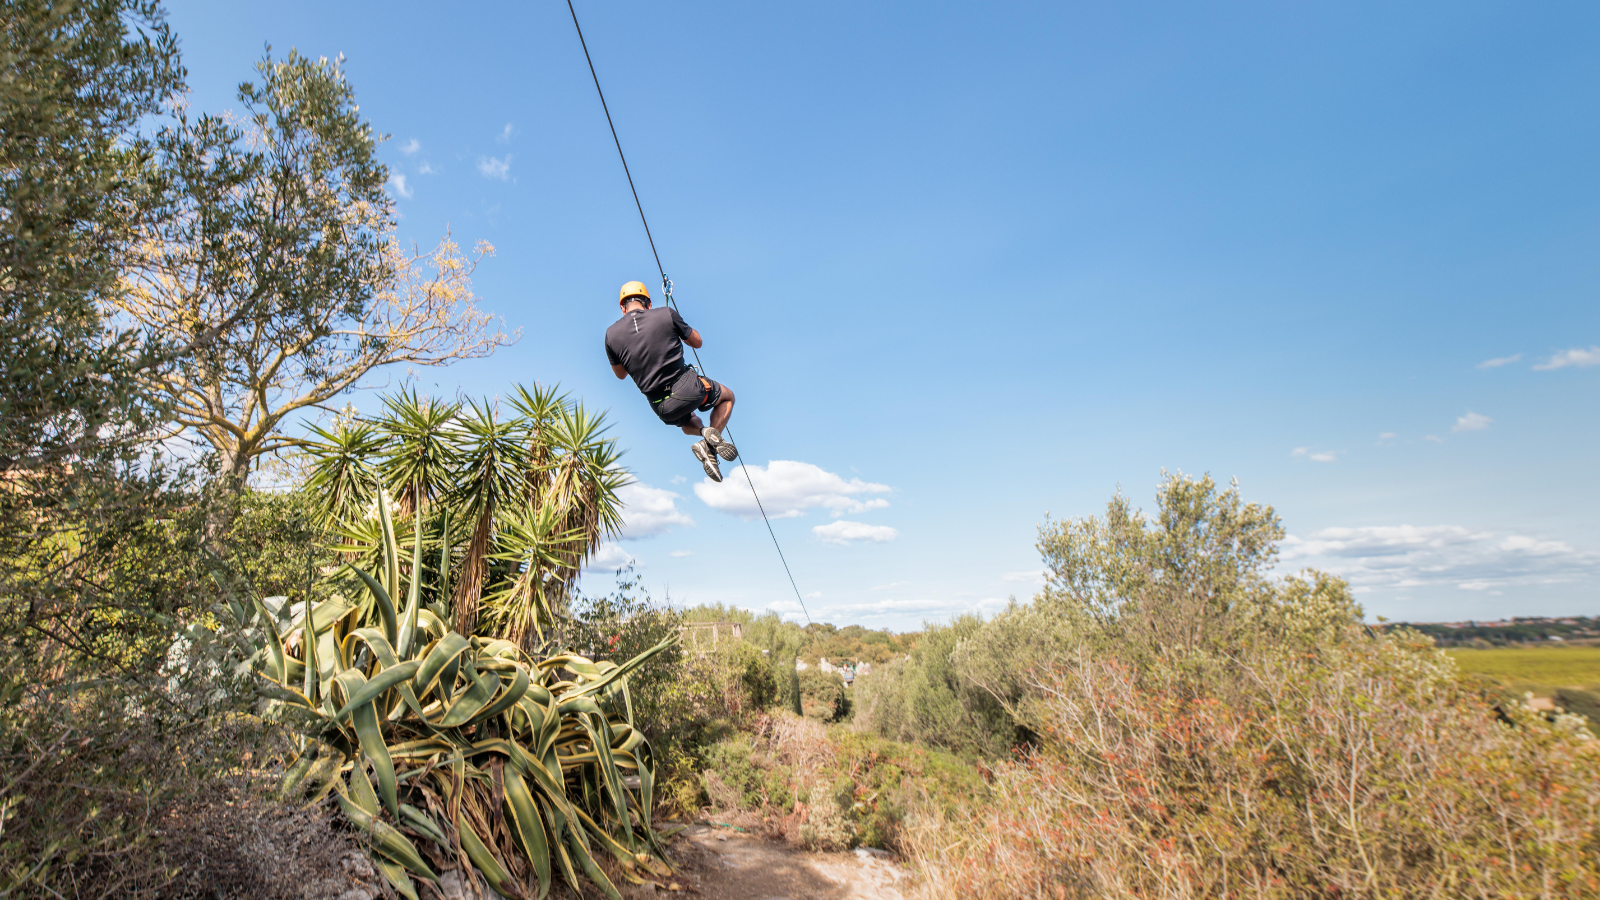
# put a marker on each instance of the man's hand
(619, 371)
(693, 339)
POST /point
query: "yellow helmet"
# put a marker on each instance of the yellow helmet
(634, 289)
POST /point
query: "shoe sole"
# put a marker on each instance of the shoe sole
(724, 449)
(709, 463)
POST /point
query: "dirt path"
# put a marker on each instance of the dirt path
(724, 864)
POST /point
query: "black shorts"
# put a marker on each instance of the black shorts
(689, 393)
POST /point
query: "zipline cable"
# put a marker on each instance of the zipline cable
(666, 286)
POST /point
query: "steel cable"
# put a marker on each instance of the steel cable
(666, 286)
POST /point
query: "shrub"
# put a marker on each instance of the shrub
(929, 699)
(1201, 730)
(822, 696)
(1360, 773)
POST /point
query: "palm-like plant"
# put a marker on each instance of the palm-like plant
(510, 505)
(458, 751)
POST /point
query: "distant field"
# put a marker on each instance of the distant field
(1558, 666)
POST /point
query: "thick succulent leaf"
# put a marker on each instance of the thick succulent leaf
(378, 684)
(373, 747)
(385, 605)
(493, 871)
(524, 815)
(424, 823)
(361, 792)
(386, 839)
(390, 548)
(408, 620)
(469, 702)
(396, 875)
(440, 654)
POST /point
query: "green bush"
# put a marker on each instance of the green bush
(928, 699)
(823, 696)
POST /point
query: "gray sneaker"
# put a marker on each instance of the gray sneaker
(708, 460)
(724, 448)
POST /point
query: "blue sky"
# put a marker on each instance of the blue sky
(967, 264)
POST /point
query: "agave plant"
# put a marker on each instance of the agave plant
(453, 750)
(515, 502)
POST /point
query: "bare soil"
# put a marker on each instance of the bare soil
(719, 863)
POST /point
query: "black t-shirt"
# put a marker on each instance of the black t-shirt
(649, 344)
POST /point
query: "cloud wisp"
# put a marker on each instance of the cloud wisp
(1321, 456)
(490, 167)
(610, 557)
(1499, 361)
(1393, 557)
(1471, 422)
(788, 489)
(843, 531)
(410, 147)
(398, 183)
(1577, 357)
(648, 511)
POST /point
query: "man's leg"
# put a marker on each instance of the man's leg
(719, 417)
(723, 410)
(694, 427)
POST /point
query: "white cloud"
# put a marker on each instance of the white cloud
(505, 135)
(1433, 437)
(649, 511)
(788, 489)
(680, 554)
(490, 167)
(1404, 556)
(411, 146)
(1321, 456)
(814, 595)
(1030, 576)
(1471, 422)
(609, 557)
(1577, 356)
(847, 532)
(425, 169)
(1387, 435)
(1499, 361)
(912, 609)
(398, 182)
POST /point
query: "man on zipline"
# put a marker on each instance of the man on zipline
(648, 344)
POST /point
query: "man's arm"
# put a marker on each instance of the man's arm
(693, 339)
(619, 371)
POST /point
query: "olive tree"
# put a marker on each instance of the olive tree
(76, 184)
(281, 254)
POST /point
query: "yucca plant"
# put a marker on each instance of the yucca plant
(450, 749)
(514, 501)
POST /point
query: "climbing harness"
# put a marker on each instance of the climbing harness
(666, 287)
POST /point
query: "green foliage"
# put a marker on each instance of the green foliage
(504, 765)
(510, 505)
(822, 696)
(275, 544)
(831, 787)
(928, 699)
(77, 182)
(277, 230)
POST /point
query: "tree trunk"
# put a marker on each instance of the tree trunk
(233, 473)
